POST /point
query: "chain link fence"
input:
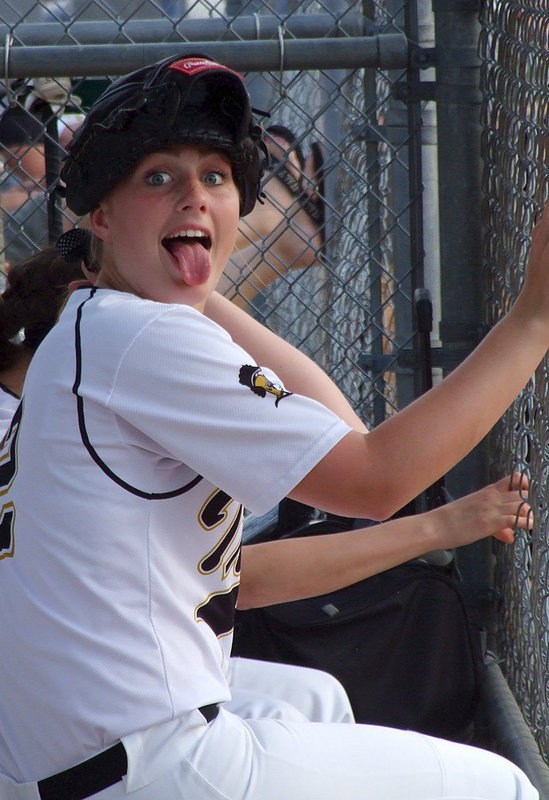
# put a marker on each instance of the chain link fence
(515, 80)
(325, 261)
(349, 226)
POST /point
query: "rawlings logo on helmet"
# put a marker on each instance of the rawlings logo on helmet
(192, 65)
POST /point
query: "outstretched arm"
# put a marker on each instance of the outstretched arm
(373, 475)
(291, 569)
(412, 449)
(253, 268)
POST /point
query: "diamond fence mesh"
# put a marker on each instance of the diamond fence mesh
(330, 259)
(515, 72)
(316, 260)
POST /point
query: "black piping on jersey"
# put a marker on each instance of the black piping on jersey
(84, 433)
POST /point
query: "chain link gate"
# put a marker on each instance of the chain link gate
(303, 63)
(514, 47)
(350, 80)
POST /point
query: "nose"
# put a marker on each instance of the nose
(193, 194)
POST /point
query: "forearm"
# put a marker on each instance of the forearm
(431, 435)
(296, 370)
(251, 269)
(291, 569)
(375, 475)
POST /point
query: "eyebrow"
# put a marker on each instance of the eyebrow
(168, 152)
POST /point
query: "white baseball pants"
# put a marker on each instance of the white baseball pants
(236, 759)
(264, 689)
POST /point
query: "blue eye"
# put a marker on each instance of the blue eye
(158, 178)
(215, 178)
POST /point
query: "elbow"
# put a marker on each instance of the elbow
(247, 598)
(387, 506)
(378, 506)
(251, 578)
(357, 506)
(384, 509)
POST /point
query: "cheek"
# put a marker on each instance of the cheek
(227, 224)
(230, 240)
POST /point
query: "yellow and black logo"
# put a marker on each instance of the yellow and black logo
(259, 384)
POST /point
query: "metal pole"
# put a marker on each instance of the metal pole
(458, 97)
(385, 51)
(52, 154)
(430, 180)
(247, 27)
(415, 178)
(332, 144)
(403, 242)
(458, 121)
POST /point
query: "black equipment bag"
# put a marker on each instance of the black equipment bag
(401, 643)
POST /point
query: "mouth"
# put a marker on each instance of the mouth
(187, 236)
(190, 250)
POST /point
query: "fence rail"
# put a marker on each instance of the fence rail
(245, 27)
(384, 51)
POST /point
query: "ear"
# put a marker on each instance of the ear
(90, 276)
(99, 223)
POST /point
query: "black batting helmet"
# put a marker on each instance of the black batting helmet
(183, 99)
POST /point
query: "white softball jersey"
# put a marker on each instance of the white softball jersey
(142, 432)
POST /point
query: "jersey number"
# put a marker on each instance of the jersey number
(217, 610)
(8, 470)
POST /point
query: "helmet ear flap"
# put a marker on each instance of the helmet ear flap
(250, 186)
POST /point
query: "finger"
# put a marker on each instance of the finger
(505, 535)
(526, 522)
(520, 513)
(516, 481)
(513, 500)
(539, 219)
(526, 515)
(521, 520)
(510, 483)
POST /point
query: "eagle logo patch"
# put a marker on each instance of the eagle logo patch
(254, 378)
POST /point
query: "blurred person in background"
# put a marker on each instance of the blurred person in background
(29, 306)
(283, 232)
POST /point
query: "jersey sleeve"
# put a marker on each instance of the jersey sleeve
(189, 388)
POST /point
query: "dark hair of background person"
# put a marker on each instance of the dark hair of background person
(35, 291)
(289, 136)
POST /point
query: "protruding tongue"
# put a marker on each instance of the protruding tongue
(193, 259)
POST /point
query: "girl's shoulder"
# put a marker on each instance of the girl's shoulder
(124, 317)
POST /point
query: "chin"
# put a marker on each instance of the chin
(195, 296)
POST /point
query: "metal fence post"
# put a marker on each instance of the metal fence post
(458, 97)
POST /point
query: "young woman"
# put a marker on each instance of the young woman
(36, 290)
(160, 410)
